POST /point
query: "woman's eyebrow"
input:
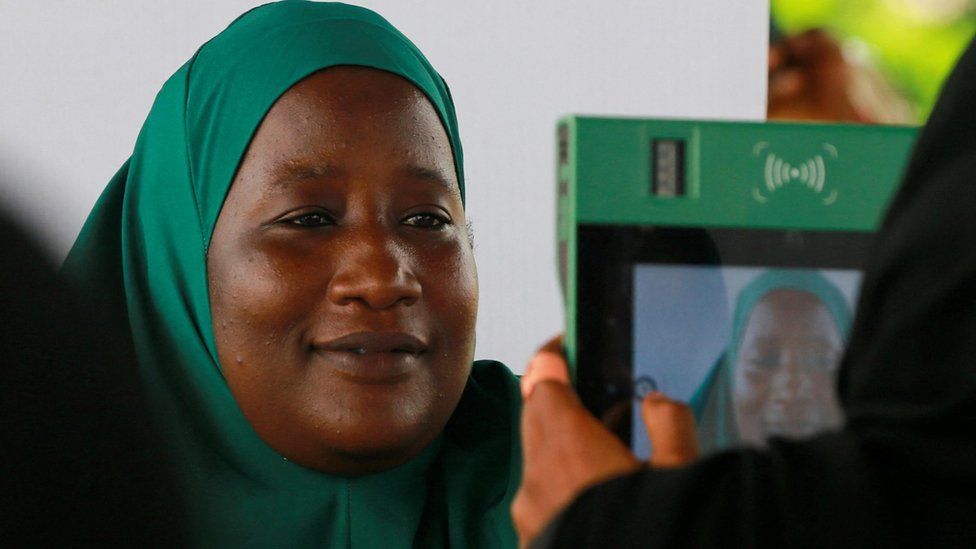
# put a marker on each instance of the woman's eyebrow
(287, 173)
(805, 337)
(430, 174)
(291, 172)
(295, 172)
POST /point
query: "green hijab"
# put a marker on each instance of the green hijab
(142, 253)
(712, 402)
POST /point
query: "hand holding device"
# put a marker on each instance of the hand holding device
(566, 450)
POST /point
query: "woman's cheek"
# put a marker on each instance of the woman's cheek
(751, 388)
(254, 303)
(448, 270)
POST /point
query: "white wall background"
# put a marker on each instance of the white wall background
(77, 79)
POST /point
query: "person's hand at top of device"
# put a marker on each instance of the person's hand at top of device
(566, 449)
(811, 78)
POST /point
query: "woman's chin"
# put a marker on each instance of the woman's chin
(362, 452)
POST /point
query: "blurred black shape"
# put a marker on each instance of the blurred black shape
(79, 464)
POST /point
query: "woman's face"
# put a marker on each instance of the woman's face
(786, 367)
(342, 283)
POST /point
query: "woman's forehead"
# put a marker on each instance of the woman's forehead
(355, 86)
(790, 299)
(344, 124)
(360, 102)
(313, 129)
(791, 312)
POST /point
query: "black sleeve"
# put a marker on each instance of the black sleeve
(820, 493)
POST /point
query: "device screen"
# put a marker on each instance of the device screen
(746, 325)
(754, 350)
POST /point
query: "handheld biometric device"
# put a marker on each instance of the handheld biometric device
(717, 262)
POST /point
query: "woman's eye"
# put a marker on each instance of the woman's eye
(820, 362)
(427, 221)
(763, 363)
(311, 219)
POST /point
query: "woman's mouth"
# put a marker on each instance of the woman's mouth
(793, 422)
(375, 342)
(373, 357)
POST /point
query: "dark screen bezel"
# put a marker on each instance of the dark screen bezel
(606, 256)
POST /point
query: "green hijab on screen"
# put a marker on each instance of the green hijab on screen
(712, 402)
(142, 253)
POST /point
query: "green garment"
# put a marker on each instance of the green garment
(142, 252)
(712, 402)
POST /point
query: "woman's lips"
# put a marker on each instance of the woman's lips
(794, 421)
(373, 357)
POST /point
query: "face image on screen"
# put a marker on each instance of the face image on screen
(754, 351)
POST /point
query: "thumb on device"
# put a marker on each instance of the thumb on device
(547, 364)
(671, 429)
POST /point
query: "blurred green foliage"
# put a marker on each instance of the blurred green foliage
(915, 43)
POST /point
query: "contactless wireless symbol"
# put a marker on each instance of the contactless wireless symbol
(811, 173)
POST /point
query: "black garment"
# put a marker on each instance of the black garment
(78, 464)
(903, 470)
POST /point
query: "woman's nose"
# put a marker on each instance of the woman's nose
(790, 383)
(375, 271)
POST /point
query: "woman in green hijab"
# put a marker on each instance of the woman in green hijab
(777, 377)
(288, 251)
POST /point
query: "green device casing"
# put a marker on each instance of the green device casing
(737, 175)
